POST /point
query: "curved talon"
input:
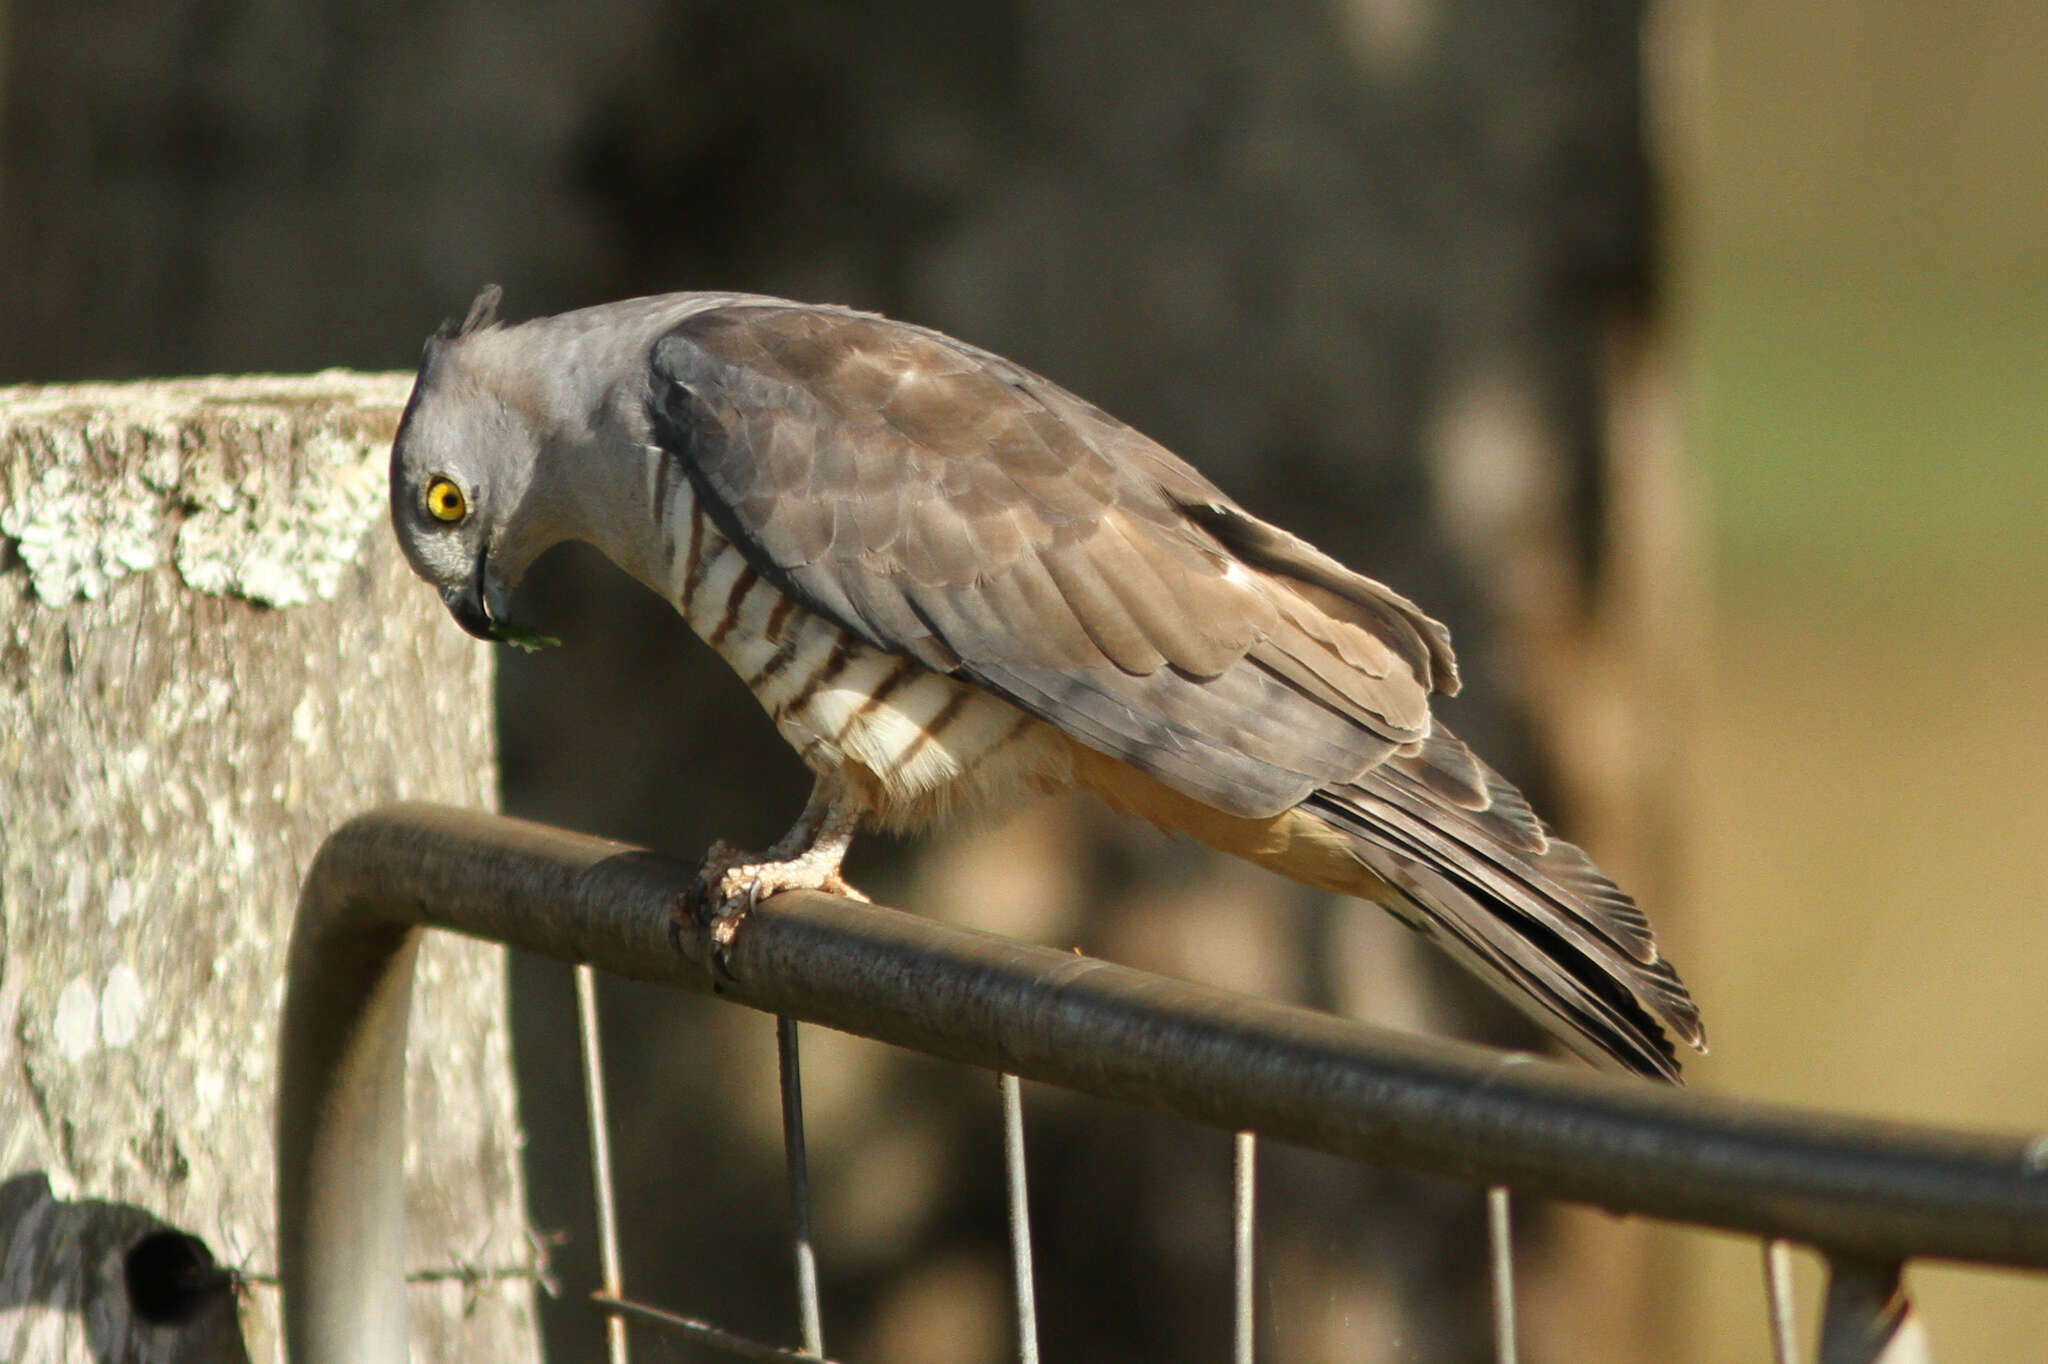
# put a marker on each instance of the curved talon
(730, 884)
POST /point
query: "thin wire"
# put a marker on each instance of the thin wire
(1779, 1296)
(690, 1328)
(809, 1318)
(1501, 1250)
(600, 1157)
(1245, 1182)
(1020, 1221)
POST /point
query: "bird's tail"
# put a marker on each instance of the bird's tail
(1479, 874)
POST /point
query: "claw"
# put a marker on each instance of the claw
(731, 884)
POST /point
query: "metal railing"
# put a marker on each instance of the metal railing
(1868, 1195)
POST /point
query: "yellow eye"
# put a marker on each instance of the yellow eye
(445, 501)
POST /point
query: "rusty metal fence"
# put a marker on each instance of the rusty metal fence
(1869, 1196)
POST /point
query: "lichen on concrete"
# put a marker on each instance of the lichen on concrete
(261, 489)
(77, 536)
(283, 545)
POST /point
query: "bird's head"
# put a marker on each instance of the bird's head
(462, 473)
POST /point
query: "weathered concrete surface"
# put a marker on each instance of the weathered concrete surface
(210, 654)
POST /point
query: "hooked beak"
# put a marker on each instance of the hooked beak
(479, 606)
(466, 604)
(470, 602)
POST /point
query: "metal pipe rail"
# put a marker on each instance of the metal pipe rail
(1869, 1194)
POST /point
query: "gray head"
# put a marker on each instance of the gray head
(519, 437)
(462, 471)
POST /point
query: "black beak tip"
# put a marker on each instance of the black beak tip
(467, 606)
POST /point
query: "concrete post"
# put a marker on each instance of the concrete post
(211, 653)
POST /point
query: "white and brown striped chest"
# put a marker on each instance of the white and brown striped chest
(931, 745)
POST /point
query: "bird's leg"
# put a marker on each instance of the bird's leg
(730, 882)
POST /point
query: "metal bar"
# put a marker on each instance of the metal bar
(1882, 1191)
(1778, 1298)
(1868, 1318)
(1500, 1254)
(341, 1137)
(810, 1320)
(1244, 1179)
(1026, 1294)
(599, 1115)
(702, 1332)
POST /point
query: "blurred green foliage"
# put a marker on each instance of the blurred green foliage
(1886, 432)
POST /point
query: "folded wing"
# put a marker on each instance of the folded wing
(955, 508)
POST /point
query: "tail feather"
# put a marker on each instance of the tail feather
(1524, 908)
(1490, 814)
(1601, 1021)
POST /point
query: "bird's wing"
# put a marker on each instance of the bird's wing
(948, 505)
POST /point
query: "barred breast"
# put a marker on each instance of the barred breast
(920, 743)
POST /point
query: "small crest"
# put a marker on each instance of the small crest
(482, 315)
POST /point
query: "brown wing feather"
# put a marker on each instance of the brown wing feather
(946, 504)
(949, 505)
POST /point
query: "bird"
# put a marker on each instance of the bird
(952, 584)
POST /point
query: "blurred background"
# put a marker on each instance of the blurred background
(1860, 266)
(1690, 360)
